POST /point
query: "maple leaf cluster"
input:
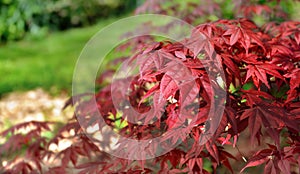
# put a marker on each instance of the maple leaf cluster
(229, 81)
(176, 89)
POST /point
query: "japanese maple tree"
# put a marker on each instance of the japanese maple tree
(246, 73)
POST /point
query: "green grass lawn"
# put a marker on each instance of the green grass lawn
(46, 63)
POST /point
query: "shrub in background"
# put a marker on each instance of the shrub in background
(16, 17)
(37, 16)
(198, 11)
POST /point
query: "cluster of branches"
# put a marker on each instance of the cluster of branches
(260, 70)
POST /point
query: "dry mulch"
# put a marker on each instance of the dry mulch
(35, 105)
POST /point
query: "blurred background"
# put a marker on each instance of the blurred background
(40, 41)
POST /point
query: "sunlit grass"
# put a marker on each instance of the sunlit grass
(47, 62)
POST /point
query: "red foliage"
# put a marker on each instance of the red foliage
(178, 85)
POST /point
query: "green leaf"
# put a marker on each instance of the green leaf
(248, 86)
